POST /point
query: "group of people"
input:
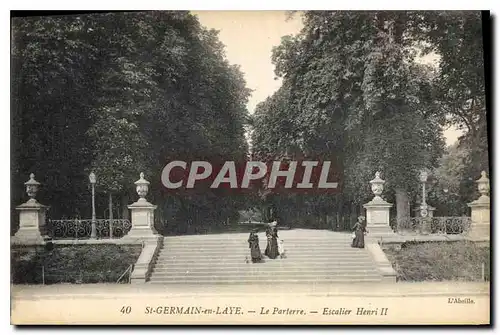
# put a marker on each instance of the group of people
(273, 244)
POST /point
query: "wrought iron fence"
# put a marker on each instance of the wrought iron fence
(82, 229)
(433, 225)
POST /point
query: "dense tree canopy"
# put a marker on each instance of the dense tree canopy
(124, 93)
(353, 89)
(120, 94)
(458, 38)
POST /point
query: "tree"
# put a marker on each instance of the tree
(353, 90)
(53, 90)
(446, 193)
(457, 38)
(120, 94)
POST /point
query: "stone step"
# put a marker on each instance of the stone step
(306, 279)
(230, 267)
(245, 240)
(364, 268)
(241, 251)
(266, 265)
(244, 252)
(239, 255)
(261, 234)
(345, 247)
(261, 239)
(311, 257)
(244, 246)
(305, 244)
(263, 272)
(299, 259)
(232, 253)
(267, 279)
(294, 235)
(262, 281)
(259, 267)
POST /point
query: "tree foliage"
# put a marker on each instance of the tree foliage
(120, 94)
(448, 193)
(352, 90)
(457, 37)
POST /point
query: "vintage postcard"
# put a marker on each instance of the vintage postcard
(250, 168)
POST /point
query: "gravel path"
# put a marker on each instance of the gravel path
(62, 291)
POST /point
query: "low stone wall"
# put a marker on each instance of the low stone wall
(93, 241)
(145, 262)
(382, 263)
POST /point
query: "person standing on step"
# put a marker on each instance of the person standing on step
(359, 233)
(253, 244)
(272, 241)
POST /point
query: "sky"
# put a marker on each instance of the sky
(249, 37)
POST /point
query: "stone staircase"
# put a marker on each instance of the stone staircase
(312, 256)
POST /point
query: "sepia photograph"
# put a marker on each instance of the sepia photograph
(315, 167)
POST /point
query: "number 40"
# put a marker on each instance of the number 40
(126, 310)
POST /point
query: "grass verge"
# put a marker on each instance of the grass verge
(103, 263)
(438, 261)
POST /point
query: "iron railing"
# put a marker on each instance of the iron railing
(433, 225)
(82, 229)
(128, 272)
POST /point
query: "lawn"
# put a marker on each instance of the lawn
(103, 263)
(438, 261)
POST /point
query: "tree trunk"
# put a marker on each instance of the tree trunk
(125, 210)
(110, 215)
(402, 204)
(353, 217)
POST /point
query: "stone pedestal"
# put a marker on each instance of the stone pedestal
(377, 218)
(377, 212)
(32, 224)
(425, 228)
(142, 214)
(430, 211)
(480, 219)
(480, 212)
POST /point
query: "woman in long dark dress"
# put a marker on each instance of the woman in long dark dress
(253, 244)
(359, 233)
(272, 241)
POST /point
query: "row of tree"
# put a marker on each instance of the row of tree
(120, 94)
(123, 93)
(354, 90)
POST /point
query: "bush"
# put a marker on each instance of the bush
(103, 263)
(440, 261)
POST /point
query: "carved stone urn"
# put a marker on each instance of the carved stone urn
(32, 187)
(377, 186)
(483, 185)
(142, 187)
